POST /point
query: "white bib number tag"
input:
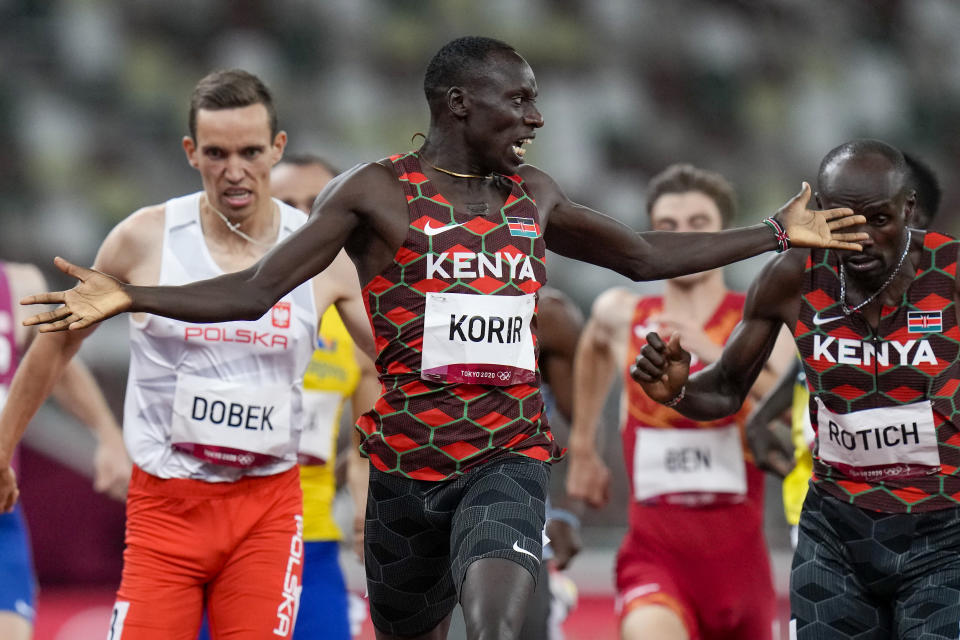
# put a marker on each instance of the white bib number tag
(478, 339)
(321, 409)
(874, 444)
(674, 461)
(236, 425)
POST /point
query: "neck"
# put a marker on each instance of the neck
(698, 300)
(258, 227)
(451, 164)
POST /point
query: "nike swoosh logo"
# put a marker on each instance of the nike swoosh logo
(516, 547)
(432, 231)
(817, 320)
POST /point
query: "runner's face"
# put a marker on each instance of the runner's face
(234, 154)
(298, 185)
(877, 194)
(503, 115)
(688, 211)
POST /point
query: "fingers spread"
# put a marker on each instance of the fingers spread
(842, 220)
(852, 246)
(47, 316)
(52, 297)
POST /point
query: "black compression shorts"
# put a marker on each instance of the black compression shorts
(420, 536)
(870, 576)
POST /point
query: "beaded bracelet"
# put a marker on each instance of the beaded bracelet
(783, 240)
(675, 400)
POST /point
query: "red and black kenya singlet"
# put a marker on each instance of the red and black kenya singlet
(911, 357)
(429, 430)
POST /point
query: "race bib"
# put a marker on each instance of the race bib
(235, 425)
(875, 444)
(689, 461)
(321, 409)
(478, 339)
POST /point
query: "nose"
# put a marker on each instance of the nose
(234, 169)
(533, 117)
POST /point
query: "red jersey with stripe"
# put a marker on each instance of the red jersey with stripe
(644, 413)
(912, 356)
(430, 430)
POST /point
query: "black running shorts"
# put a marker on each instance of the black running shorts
(421, 536)
(870, 576)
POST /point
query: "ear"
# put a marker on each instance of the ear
(457, 101)
(190, 148)
(909, 205)
(279, 144)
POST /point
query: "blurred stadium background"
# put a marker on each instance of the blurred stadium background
(93, 101)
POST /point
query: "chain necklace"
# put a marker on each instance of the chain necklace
(843, 282)
(489, 176)
(235, 226)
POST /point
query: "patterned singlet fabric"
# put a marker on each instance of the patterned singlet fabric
(910, 358)
(433, 430)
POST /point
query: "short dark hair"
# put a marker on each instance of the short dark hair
(230, 89)
(683, 178)
(458, 61)
(925, 182)
(863, 147)
(306, 160)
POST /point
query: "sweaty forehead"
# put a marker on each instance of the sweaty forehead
(865, 176)
(506, 68)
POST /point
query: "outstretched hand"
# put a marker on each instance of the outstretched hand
(662, 368)
(809, 228)
(96, 298)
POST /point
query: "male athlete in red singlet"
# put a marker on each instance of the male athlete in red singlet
(449, 242)
(694, 563)
(878, 553)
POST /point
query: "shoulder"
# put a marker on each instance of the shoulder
(134, 240)
(615, 300)
(779, 281)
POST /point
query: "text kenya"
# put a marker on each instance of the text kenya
(240, 336)
(466, 264)
(850, 351)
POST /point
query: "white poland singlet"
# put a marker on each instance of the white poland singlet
(170, 359)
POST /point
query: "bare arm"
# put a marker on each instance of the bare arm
(358, 467)
(559, 324)
(595, 367)
(354, 200)
(581, 233)
(720, 389)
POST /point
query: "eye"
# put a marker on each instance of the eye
(214, 153)
(517, 100)
(252, 152)
(880, 220)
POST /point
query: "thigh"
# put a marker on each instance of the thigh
(501, 515)
(928, 601)
(257, 592)
(827, 599)
(323, 601)
(406, 556)
(537, 616)
(161, 588)
(649, 601)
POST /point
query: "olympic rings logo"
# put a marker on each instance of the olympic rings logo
(504, 375)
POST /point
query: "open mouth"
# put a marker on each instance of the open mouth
(518, 148)
(237, 197)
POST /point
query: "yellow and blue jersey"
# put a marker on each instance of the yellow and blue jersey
(330, 379)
